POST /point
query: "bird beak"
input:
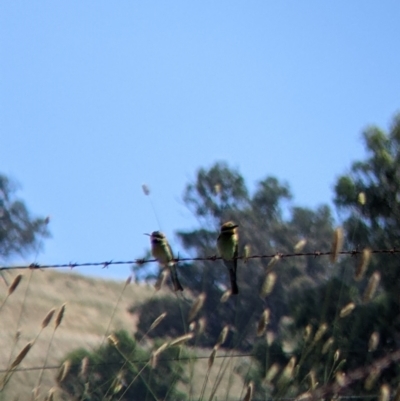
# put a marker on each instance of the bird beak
(147, 234)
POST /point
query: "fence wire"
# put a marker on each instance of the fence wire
(212, 258)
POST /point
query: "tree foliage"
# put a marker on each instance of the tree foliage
(20, 232)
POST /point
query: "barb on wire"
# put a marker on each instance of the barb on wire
(212, 258)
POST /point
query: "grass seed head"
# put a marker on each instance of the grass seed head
(336, 355)
(113, 340)
(157, 321)
(46, 321)
(373, 341)
(347, 310)
(307, 333)
(182, 339)
(340, 378)
(373, 283)
(313, 379)
(262, 323)
(225, 296)
(211, 358)
(300, 245)
(362, 264)
(372, 378)
(65, 368)
(320, 332)
(14, 284)
(19, 358)
(327, 345)
(384, 393)
(249, 392)
(337, 244)
(361, 198)
(268, 285)
(198, 304)
(84, 367)
(272, 372)
(60, 316)
(273, 262)
(222, 336)
(201, 325)
(246, 253)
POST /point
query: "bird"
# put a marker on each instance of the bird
(228, 244)
(161, 250)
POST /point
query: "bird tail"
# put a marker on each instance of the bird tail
(175, 281)
(234, 287)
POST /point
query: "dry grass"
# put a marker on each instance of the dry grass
(89, 306)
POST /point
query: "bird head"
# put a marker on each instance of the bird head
(228, 227)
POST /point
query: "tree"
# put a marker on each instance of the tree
(219, 194)
(20, 233)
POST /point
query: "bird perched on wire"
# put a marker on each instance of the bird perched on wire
(228, 245)
(162, 251)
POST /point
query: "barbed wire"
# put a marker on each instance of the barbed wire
(212, 258)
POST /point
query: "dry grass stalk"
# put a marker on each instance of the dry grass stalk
(268, 284)
(211, 358)
(246, 253)
(157, 321)
(225, 296)
(300, 245)
(337, 244)
(262, 323)
(320, 332)
(346, 310)
(327, 345)
(161, 279)
(59, 317)
(362, 264)
(182, 339)
(373, 283)
(84, 368)
(222, 337)
(21, 356)
(14, 284)
(46, 321)
(373, 341)
(273, 262)
(249, 392)
(272, 372)
(384, 393)
(146, 189)
(198, 304)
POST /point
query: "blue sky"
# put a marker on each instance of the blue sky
(97, 98)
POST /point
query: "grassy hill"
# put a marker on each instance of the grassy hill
(94, 308)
